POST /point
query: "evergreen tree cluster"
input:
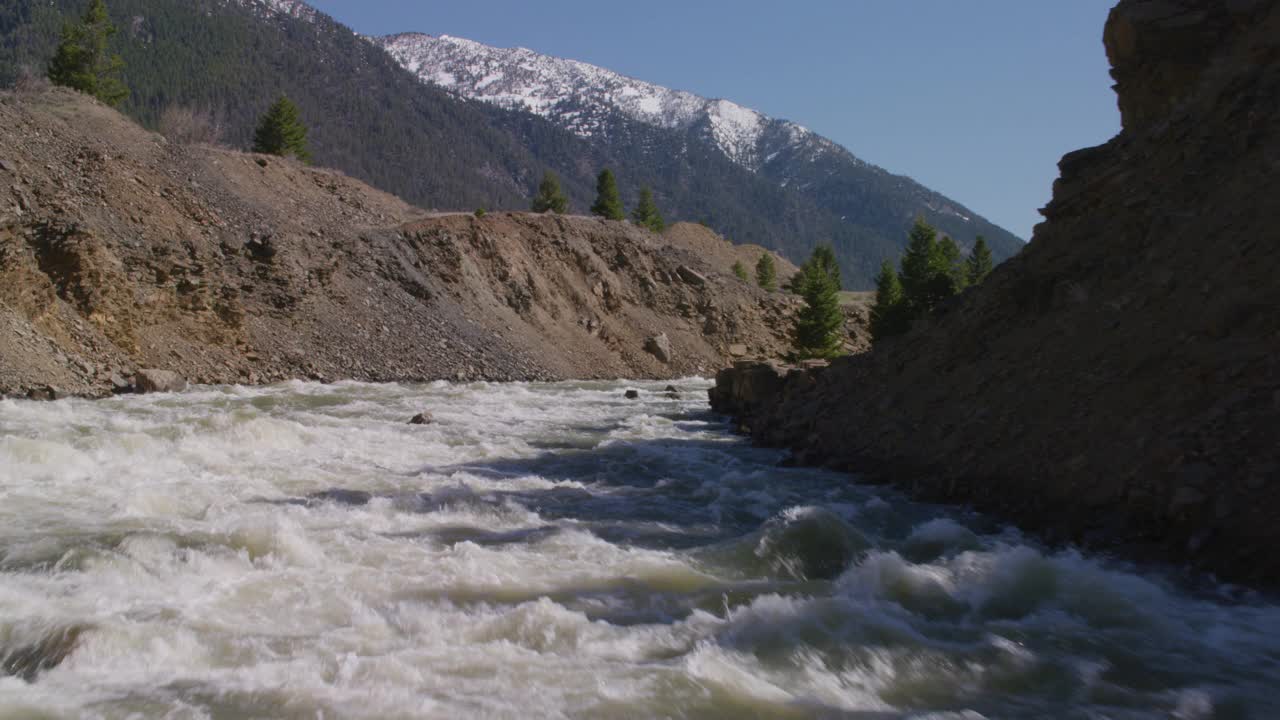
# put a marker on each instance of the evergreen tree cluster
(281, 132)
(931, 272)
(608, 204)
(766, 273)
(819, 329)
(646, 213)
(550, 197)
(82, 60)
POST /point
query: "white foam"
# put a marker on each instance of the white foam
(473, 568)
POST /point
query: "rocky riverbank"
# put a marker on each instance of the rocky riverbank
(120, 251)
(1118, 383)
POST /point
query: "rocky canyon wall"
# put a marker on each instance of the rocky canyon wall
(1118, 383)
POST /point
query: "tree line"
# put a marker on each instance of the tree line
(608, 204)
(931, 272)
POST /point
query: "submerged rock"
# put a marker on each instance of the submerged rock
(810, 543)
(632, 394)
(422, 418)
(28, 660)
(341, 496)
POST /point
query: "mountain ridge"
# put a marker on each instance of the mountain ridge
(580, 97)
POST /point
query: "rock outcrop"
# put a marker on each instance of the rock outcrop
(158, 381)
(1118, 383)
(120, 251)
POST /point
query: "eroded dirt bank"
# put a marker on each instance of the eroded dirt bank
(120, 250)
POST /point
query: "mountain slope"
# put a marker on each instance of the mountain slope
(605, 107)
(232, 58)
(120, 251)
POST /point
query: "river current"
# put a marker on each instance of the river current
(545, 551)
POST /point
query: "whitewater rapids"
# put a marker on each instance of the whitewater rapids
(548, 550)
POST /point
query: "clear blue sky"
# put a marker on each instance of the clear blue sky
(977, 99)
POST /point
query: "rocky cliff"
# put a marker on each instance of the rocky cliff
(120, 250)
(1118, 382)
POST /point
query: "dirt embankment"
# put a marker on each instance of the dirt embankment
(1118, 383)
(721, 254)
(120, 250)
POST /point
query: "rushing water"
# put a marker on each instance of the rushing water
(299, 551)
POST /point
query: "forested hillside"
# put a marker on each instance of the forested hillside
(367, 117)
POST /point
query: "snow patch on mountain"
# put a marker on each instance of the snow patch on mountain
(579, 96)
(292, 8)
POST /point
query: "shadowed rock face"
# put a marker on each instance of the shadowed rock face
(1118, 382)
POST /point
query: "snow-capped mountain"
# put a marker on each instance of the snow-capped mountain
(489, 121)
(578, 95)
(587, 100)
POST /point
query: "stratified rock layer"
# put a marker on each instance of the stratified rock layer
(1119, 381)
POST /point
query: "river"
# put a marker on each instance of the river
(549, 550)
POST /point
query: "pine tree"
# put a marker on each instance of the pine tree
(825, 258)
(82, 61)
(926, 278)
(281, 132)
(889, 315)
(741, 271)
(978, 266)
(646, 213)
(917, 263)
(608, 203)
(766, 273)
(956, 276)
(550, 198)
(820, 322)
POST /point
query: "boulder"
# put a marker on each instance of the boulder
(120, 384)
(660, 347)
(150, 380)
(48, 392)
(691, 276)
(738, 350)
(422, 418)
(261, 246)
(632, 394)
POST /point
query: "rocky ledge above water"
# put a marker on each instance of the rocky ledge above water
(1118, 382)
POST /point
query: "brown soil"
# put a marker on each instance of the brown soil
(120, 250)
(721, 254)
